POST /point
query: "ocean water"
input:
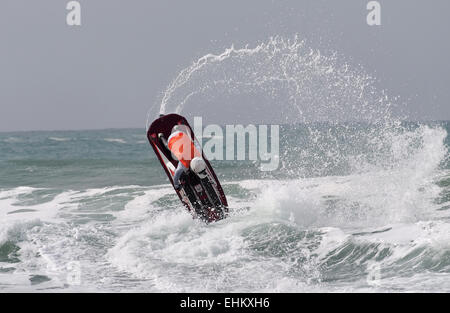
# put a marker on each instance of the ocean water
(93, 211)
(360, 200)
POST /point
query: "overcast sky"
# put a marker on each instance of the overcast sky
(107, 72)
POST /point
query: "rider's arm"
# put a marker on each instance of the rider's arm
(176, 177)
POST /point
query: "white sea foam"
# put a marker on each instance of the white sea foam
(116, 140)
(163, 245)
(396, 213)
(13, 140)
(47, 211)
(62, 139)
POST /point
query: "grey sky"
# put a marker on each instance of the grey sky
(111, 69)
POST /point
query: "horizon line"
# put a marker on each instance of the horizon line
(134, 128)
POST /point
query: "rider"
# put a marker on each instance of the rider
(183, 149)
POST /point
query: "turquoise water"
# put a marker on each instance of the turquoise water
(351, 208)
